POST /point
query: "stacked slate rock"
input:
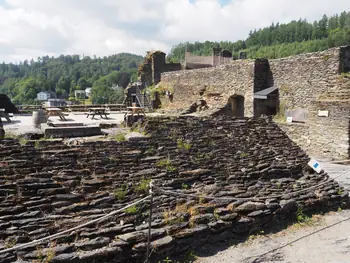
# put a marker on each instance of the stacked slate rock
(47, 187)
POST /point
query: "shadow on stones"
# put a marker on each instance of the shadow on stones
(216, 244)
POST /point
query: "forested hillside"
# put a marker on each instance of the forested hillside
(279, 40)
(66, 74)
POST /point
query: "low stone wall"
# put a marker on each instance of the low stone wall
(47, 187)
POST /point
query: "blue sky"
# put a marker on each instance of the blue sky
(32, 28)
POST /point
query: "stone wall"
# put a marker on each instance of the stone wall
(301, 79)
(298, 133)
(217, 83)
(304, 78)
(330, 135)
(47, 187)
(326, 137)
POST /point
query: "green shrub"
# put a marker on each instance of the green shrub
(142, 187)
(121, 192)
(119, 137)
(132, 210)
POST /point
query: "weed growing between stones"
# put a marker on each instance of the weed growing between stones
(121, 192)
(119, 137)
(150, 151)
(10, 243)
(301, 217)
(281, 114)
(21, 139)
(242, 155)
(169, 219)
(182, 145)
(185, 186)
(165, 163)
(142, 187)
(132, 210)
(39, 254)
(51, 253)
(340, 191)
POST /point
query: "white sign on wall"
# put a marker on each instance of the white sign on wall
(323, 113)
(315, 165)
(289, 119)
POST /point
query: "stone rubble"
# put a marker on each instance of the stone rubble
(47, 187)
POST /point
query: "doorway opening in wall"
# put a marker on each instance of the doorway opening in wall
(236, 106)
(266, 102)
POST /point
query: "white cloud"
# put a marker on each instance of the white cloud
(50, 27)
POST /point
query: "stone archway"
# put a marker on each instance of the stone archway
(236, 106)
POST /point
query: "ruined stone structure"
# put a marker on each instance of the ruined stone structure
(47, 187)
(219, 57)
(149, 72)
(310, 82)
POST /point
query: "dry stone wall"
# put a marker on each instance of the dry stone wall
(47, 187)
(307, 77)
(217, 83)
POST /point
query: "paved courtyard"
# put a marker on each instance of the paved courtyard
(24, 123)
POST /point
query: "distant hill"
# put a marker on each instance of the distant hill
(279, 40)
(65, 74)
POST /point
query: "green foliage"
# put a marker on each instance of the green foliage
(345, 75)
(185, 186)
(281, 113)
(301, 217)
(121, 192)
(165, 163)
(119, 137)
(132, 210)
(278, 40)
(143, 186)
(10, 243)
(242, 155)
(182, 145)
(66, 74)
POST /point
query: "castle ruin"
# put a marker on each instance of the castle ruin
(313, 89)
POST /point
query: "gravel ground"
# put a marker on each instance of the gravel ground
(325, 239)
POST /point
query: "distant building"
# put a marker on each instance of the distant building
(46, 95)
(80, 94)
(88, 92)
(56, 103)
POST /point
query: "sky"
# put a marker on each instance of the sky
(32, 28)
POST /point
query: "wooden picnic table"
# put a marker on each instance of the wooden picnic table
(5, 115)
(55, 112)
(135, 110)
(97, 111)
